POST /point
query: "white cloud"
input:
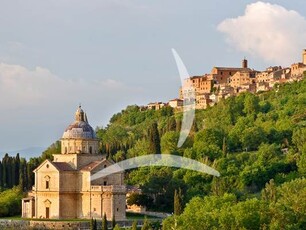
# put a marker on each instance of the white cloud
(36, 105)
(267, 31)
(23, 87)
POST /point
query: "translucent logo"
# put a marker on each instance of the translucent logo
(188, 94)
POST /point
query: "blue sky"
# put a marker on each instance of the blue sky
(109, 54)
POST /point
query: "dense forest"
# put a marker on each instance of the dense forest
(17, 177)
(256, 142)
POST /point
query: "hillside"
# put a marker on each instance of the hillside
(256, 142)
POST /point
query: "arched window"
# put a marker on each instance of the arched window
(90, 149)
(65, 149)
(47, 182)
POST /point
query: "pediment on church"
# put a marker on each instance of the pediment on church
(47, 165)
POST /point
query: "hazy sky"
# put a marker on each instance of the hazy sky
(107, 54)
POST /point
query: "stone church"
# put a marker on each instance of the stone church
(63, 188)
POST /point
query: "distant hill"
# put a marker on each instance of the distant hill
(25, 153)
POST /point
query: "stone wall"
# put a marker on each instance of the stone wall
(41, 225)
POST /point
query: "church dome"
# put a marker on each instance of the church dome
(80, 128)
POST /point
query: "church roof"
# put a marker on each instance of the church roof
(91, 166)
(63, 166)
(80, 128)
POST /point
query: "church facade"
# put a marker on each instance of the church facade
(63, 188)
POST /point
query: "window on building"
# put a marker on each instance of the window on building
(47, 182)
(90, 149)
(105, 183)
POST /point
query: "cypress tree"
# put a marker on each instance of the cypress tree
(171, 124)
(154, 139)
(116, 227)
(13, 172)
(91, 224)
(134, 225)
(4, 179)
(113, 222)
(178, 125)
(178, 202)
(104, 222)
(21, 175)
(17, 169)
(224, 147)
(1, 179)
(95, 224)
(146, 224)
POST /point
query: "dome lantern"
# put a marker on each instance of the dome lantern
(79, 114)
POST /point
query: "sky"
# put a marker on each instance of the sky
(107, 54)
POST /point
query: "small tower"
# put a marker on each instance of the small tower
(79, 114)
(244, 63)
(304, 57)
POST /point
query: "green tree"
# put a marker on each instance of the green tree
(169, 142)
(146, 224)
(113, 222)
(154, 139)
(289, 210)
(93, 224)
(140, 148)
(171, 124)
(178, 202)
(10, 202)
(299, 138)
(116, 227)
(251, 104)
(301, 163)
(210, 136)
(134, 225)
(104, 222)
(252, 137)
(269, 192)
(1, 177)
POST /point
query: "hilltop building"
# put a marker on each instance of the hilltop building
(223, 82)
(63, 188)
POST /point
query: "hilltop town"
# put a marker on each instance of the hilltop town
(223, 82)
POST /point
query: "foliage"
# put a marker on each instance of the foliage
(178, 202)
(10, 202)
(116, 227)
(134, 225)
(104, 222)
